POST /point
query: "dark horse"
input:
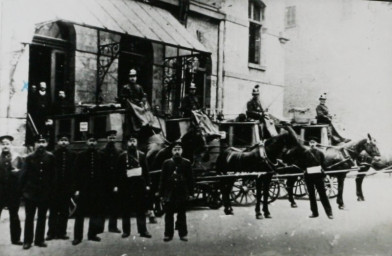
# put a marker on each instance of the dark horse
(343, 157)
(337, 158)
(258, 158)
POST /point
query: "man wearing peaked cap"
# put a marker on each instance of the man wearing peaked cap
(175, 188)
(64, 172)
(89, 191)
(132, 90)
(110, 155)
(37, 188)
(10, 165)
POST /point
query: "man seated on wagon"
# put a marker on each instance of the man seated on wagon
(190, 102)
(323, 117)
(254, 110)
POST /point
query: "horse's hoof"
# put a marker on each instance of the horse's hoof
(229, 212)
(294, 205)
(259, 216)
(268, 216)
(341, 207)
(361, 198)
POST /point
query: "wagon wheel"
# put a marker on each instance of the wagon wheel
(274, 191)
(331, 186)
(299, 188)
(244, 192)
(213, 198)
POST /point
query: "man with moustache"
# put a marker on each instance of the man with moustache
(10, 165)
(110, 156)
(37, 188)
(89, 180)
(175, 188)
(133, 185)
(64, 173)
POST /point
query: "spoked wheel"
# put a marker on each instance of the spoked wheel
(299, 189)
(213, 198)
(274, 191)
(331, 186)
(244, 192)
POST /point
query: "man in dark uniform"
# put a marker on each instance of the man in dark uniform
(64, 173)
(110, 156)
(41, 108)
(175, 188)
(133, 186)
(254, 110)
(133, 91)
(37, 187)
(190, 102)
(312, 162)
(89, 187)
(10, 165)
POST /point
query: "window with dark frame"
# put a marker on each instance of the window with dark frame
(256, 18)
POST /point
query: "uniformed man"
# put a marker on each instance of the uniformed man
(323, 117)
(254, 110)
(133, 91)
(314, 179)
(89, 186)
(190, 102)
(10, 165)
(175, 188)
(64, 173)
(37, 188)
(133, 186)
(41, 108)
(110, 156)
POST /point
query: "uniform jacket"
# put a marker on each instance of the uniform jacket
(254, 109)
(64, 171)
(37, 181)
(132, 92)
(322, 114)
(133, 186)
(9, 180)
(189, 103)
(176, 182)
(110, 156)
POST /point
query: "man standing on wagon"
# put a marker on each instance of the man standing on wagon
(176, 188)
(190, 102)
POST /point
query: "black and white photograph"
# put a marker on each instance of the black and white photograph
(195, 127)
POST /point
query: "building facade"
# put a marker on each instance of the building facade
(86, 48)
(341, 48)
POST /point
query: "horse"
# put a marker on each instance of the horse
(343, 157)
(261, 157)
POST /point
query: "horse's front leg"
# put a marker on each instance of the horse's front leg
(259, 185)
(339, 200)
(226, 187)
(266, 185)
(290, 186)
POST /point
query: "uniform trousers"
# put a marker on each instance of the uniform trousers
(58, 216)
(13, 208)
(94, 226)
(313, 182)
(171, 208)
(31, 207)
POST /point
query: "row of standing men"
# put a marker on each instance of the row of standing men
(103, 183)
